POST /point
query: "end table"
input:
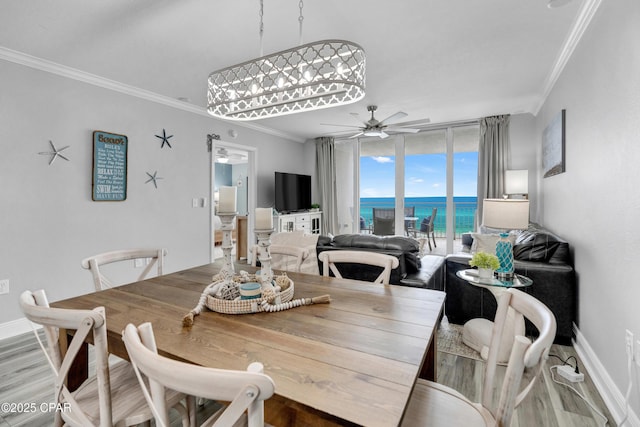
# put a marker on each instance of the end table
(476, 333)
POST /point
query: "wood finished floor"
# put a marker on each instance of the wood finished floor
(25, 377)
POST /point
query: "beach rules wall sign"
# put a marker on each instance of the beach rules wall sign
(109, 167)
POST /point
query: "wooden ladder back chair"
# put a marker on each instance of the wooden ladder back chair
(110, 397)
(245, 390)
(437, 405)
(286, 256)
(101, 282)
(329, 260)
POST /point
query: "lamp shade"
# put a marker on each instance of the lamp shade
(516, 182)
(505, 214)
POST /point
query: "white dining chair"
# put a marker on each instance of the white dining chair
(245, 390)
(287, 258)
(110, 397)
(434, 404)
(148, 258)
(329, 260)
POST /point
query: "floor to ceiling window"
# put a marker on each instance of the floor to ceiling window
(425, 180)
(377, 185)
(412, 175)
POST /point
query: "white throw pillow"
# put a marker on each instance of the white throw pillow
(487, 242)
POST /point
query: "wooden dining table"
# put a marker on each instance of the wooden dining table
(353, 361)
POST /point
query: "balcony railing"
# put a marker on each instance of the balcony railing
(464, 215)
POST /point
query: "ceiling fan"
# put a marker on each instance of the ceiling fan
(223, 155)
(379, 128)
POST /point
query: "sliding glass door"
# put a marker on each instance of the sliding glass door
(377, 186)
(416, 176)
(425, 182)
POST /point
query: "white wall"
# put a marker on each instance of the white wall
(48, 222)
(524, 148)
(595, 204)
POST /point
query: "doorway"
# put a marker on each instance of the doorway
(233, 165)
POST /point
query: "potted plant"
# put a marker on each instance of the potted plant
(315, 207)
(486, 263)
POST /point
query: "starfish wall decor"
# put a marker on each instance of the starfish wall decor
(54, 153)
(164, 138)
(153, 178)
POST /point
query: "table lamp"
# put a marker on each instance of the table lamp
(505, 214)
(516, 182)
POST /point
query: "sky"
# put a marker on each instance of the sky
(425, 175)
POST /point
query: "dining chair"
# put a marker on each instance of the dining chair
(329, 260)
(426, 231)
(384, 221)
(110, 397)
(434, 404)
(147, 258)
(245, 390)
(409, 218)
(287, 258)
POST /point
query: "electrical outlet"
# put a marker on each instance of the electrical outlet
(194, 203)
(138, 262)
(628, 338)
(4, 286)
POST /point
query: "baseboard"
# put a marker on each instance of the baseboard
(15, 328)
(612, 396)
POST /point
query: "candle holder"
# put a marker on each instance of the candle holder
(226, 218)
(264, 241)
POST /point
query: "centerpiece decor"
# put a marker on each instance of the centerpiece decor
(244, 293)
(486, 263)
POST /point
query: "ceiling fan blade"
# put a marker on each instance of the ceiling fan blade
(383, 135)
(401, 129)
(394, 118)
(356, 135)
(343, 126)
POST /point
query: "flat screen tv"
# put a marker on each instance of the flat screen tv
(293, 192)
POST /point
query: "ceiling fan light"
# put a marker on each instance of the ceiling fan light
(222, 160)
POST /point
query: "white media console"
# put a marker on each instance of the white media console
(311, 222)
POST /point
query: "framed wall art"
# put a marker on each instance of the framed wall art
(109, 167)
(553, 142)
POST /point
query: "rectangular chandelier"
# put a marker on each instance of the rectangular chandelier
(312, 76)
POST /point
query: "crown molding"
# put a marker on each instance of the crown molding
(99, 81)
(583, 19)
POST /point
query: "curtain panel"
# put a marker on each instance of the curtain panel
(326, 183)
(493, 156)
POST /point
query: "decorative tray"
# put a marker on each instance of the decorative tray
(225, 295)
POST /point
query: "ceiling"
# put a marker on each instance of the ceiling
(442, 60)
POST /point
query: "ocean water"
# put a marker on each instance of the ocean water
(464, 208)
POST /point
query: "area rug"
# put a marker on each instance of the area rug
(450, 341)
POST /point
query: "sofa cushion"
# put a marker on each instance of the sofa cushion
(487, 242)
(429, 276)
(540, 245)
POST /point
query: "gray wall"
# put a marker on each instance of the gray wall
(595, 203)
(48, 222)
